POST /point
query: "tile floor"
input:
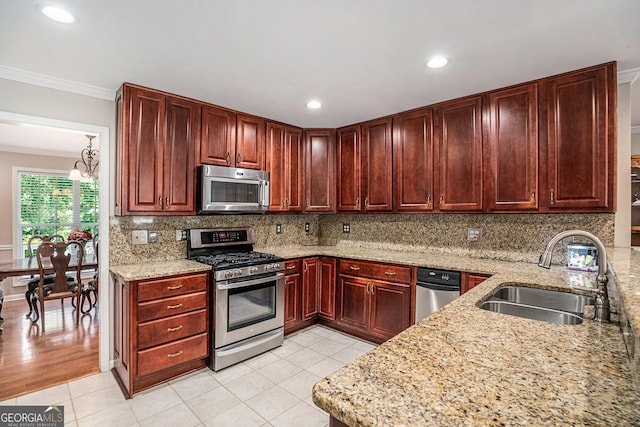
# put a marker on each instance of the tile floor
(272, 389)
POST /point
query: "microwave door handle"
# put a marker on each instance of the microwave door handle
(236, 285)
(264, 196)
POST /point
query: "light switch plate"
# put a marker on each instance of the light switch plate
(139, 237)
(474, 234)
(278, 228)
(346, 227)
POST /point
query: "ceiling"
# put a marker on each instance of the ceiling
(362, 59)
(42, 140)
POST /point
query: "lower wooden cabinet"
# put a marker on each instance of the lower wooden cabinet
(161, 329)
(374, 300)
(292, 293)
(471, 280)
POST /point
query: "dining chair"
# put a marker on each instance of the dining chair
(91, 287)
(32, 285)
(59, 257)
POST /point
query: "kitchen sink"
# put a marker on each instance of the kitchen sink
(557, 307)
(532, 312)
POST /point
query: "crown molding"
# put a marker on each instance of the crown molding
(635, 129)
(24, 76)
(629, 76)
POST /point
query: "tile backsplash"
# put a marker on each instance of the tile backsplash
(512, 237)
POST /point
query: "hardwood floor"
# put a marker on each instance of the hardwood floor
(30, 360)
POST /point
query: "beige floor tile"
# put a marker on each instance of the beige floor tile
(300, 384)
(325, 367)
(279, 371)
(261, 360)
(301, 415)
(48, 396)
(151, 402)
(305, 338)
(97, 401)
(119, 415)
(179, 415)
(327, 346)
(289, 347)
(231, 373)
(305, 358)
(91, 383)
(249, 385)
(213, 403)
(347, 355)
(239, 415)
(272, 402)
(194, 384)
(363, 346)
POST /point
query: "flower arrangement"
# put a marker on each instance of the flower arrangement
(80, 236)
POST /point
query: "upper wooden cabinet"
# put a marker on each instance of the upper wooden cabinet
(284, 163)
(157, 138)
(250, 135)
(511, 149)
(364, 167)
(319, 170)
(459, 147)
(218, 140)
(581, 139)
(413, 161)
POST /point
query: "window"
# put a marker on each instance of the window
(50, 203)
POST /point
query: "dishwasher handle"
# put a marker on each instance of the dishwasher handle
(440, 287)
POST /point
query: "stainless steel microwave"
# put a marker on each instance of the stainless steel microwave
(223, 189)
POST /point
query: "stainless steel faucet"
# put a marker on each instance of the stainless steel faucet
(602, 309)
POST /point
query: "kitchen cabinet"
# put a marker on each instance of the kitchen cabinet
(250, 142)
(284, 163)
(580, 140)
(292, 295)
(471, 280)
(511, 149)
(364, 167)
(459, 153)
(161, 329)
(319, 171)
(157, 137)
(374, 300)
(218, 139)
(318, 288)
(413, 161)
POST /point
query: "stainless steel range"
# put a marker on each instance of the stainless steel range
(248, 293)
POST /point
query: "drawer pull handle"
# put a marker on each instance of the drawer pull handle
(351, 267)
(390, 273)
(291, 267)
(173, 288)
(177, 328)
(171, 307)
(176, 354)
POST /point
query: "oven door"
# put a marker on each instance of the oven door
(247, 307)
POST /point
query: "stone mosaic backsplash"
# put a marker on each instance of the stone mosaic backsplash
(509, 237)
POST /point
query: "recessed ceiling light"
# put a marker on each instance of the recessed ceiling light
(57, 14)
(437, 62)
(314, 105)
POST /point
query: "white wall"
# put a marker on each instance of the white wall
(623, 212)
(635, 143)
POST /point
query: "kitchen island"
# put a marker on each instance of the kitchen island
(467, 366)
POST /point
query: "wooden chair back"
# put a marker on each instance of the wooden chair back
(59, 257)
(41, 239)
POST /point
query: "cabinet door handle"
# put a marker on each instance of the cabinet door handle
(228, 158)
(291, 267)
(533, 198)
(373, 287)
(238, 158)
(552, 201)
(171, 307)
(176, 354)
(167, 204)
(390, 273)
(357, 202)
(304, 267)
(351, 267)
(366, 202)
(441, 201)
(177, 328)
(429, 201)
(173, 288)
(159, 202)
(367, 288)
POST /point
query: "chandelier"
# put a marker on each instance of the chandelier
(88, 163)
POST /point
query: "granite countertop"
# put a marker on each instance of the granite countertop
(467, 366)
(150, 270)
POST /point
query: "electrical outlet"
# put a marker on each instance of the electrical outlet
(153, 236)
(181, 235)
(139, 237)
(474, 234)
(307, 227)
(346, 228)
(278, 228)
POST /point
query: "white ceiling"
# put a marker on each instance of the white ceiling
(361, 58)
(43, 140)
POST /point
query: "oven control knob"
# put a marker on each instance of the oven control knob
(237, 272)
(253, 270)
(275, 266)
(228, 274)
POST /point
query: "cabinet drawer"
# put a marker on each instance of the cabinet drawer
(172, 354)
(171, 306)
(292, 266)
(153, 289)
(171, 328)
(388, 272)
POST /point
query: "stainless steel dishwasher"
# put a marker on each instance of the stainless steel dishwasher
(434, 289)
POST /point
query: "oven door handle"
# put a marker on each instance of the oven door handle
(224, 286)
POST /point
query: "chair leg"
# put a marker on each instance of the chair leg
(34, 306)
(42, 311)
(77, 297)
(28, 295)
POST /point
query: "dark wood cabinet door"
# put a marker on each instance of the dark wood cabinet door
(459, 131)
(183, 134)
(293, 168)
(218, 136)
(327, 289)
(319, 171)
(390, 309)
(353, 302)
(581, 139)
(348, 174)
(413, 161)
(276, 166)
(471, 280)
(143, 151)
(376, 165)
(292, 311)
(250, 143)
(310, 283)
(511, 149)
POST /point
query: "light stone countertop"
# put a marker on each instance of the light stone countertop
(151, 270)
